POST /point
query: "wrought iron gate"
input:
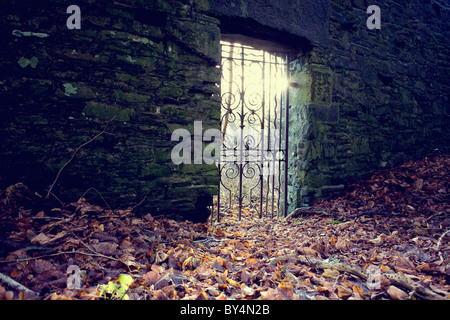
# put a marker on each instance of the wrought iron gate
(253, 159)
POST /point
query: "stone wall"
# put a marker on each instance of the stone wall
(361, 99)
(149, 65)
(372, 98)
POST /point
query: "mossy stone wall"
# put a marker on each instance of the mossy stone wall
(361, 99)
(149, 65)
(370, 98)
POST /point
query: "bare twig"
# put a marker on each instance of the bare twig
(416, 288)
(138, 204)
(98, 192)
(16, 285)
(73, 156)
(94, 254)
(438, 244)
(54, 196)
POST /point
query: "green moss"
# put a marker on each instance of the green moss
(244, 8)
(130, 96)
(19, 34)
(126, 77)
(161, 155)
(173, 92)
(322, 85)
(69, 89)
(316, 180)
(155, 170)
(142, 40)
(107, 112)
(144, 62)
(33, 119)
(202, 5)
(24, 62)
(120, 13)
(361, 145)
(302, 95)
(80, 139)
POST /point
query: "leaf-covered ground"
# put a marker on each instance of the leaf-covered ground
(393, 224)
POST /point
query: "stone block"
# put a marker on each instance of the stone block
(107, 112)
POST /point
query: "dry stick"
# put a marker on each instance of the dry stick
(54, 196)
(95, 254)
(16, 285)
(438, 244)
(396, 278)
(440, 239)
(73, 155)
(98, 192)
(138, 204)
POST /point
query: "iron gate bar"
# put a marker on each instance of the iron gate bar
(242, 165)
(286, 141)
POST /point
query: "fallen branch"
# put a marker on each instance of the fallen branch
(16, 285)
(73, 156)
(438, 244)
(395, 278)
(398, 279)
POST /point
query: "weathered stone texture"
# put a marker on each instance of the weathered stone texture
(149, 65)
(305, 19)
(380, 97)
(363, 98)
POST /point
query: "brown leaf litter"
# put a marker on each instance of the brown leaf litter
(383, 239)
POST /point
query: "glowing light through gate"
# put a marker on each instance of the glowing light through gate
(254, 95)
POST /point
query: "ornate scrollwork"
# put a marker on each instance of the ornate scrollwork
(253, 99)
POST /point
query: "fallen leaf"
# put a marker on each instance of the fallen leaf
(222, 296)
(202, 296)
(418, 184)
(309, 252)
(106, 248)
(125, 244)
(404, 263)
(396, 293)
(245, 276)
(247, 291)
(344, 292)
(380, 239)
(285, 290)
(251, 262)
(160, 257)
(233, 283)
(40, 266)
(40, 214)
(358, 293)
(41, 238)
(330, 273)
(341, 244)
(163, 281)
(270, 294)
